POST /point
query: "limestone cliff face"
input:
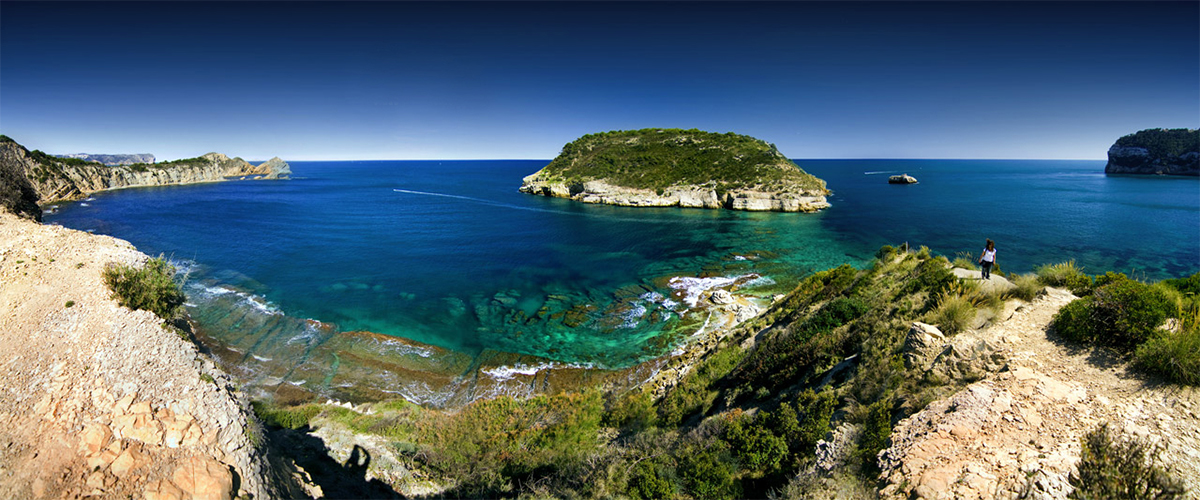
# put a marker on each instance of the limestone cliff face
(685, 196)
(54, 179)
(117, 159)
(17, 194)
(1156, 152)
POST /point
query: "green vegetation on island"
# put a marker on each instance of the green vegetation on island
(637, 166)
(1156, 151)
(746, 421)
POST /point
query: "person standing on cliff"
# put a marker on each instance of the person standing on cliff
(988, 259)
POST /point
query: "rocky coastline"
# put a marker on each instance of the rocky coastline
(601, 192)
(57, 179)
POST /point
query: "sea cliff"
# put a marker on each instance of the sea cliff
(678, 168)
(1156, 152)
(64, 179)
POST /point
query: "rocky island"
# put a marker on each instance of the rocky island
(678, 168)
(64, 179)
(1156, 152)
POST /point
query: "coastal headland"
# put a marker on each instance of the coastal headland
(56, 179)
(1156, 152)
(678, 168)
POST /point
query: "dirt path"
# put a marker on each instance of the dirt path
(97, 400)
(1016, 433)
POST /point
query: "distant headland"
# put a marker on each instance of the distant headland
(1156, 152)
(678, 168)
(29, 178)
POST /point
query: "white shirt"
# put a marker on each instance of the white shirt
(989, 255)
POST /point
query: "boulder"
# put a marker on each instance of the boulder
(204, 479)
(902, 179)
(923, 343)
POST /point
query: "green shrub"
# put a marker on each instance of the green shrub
(754, 446)
(886, 253)
(1122, 313)
(876, 432)
(1110, 469)
(1073, 321)
(802, 422)
(1065, 275)
(70, 303)
(650, 480)
(708, 473)
(1027, 286)
(693, 394)
(633, 412)
(1189, 286)
(1174, 356)
(152, 287)
(965, 260)
(930, 276)
(953, 313)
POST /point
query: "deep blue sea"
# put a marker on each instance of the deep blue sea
(449, 253)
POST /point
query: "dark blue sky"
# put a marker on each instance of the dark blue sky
(385, 80)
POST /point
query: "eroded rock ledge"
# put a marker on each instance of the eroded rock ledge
(687, 197)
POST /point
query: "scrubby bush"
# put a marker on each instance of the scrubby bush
(151, 287)
(965, 260)
(708, 472)
(1111, 469)
(886, 253)
(1173, 355)
(876, 432)
(932, 277)
(633, 412)
(1027, 286)
(953, 313)
(651, 480)
(756, 448)
(1065, 275)
(1122, 313)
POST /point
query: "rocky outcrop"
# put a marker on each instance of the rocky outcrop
(100, 401)
(1156, 152)
(110, 160)
(55, 180)
(17, 194)
(902, 179)
(681, 196)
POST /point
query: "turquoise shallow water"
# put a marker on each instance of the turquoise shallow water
(449, 253)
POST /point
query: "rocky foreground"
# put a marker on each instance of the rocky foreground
(98, 400)
(1016, 433)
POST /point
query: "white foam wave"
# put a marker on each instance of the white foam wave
(759, 281)
(84, 205)
(693, 288)
(402, 348)
(633, 316)
(506, 372)
(881, 172)
(249, 299)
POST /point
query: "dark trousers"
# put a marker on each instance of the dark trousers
(987, 270)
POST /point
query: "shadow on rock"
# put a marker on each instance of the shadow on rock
(336, 480)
